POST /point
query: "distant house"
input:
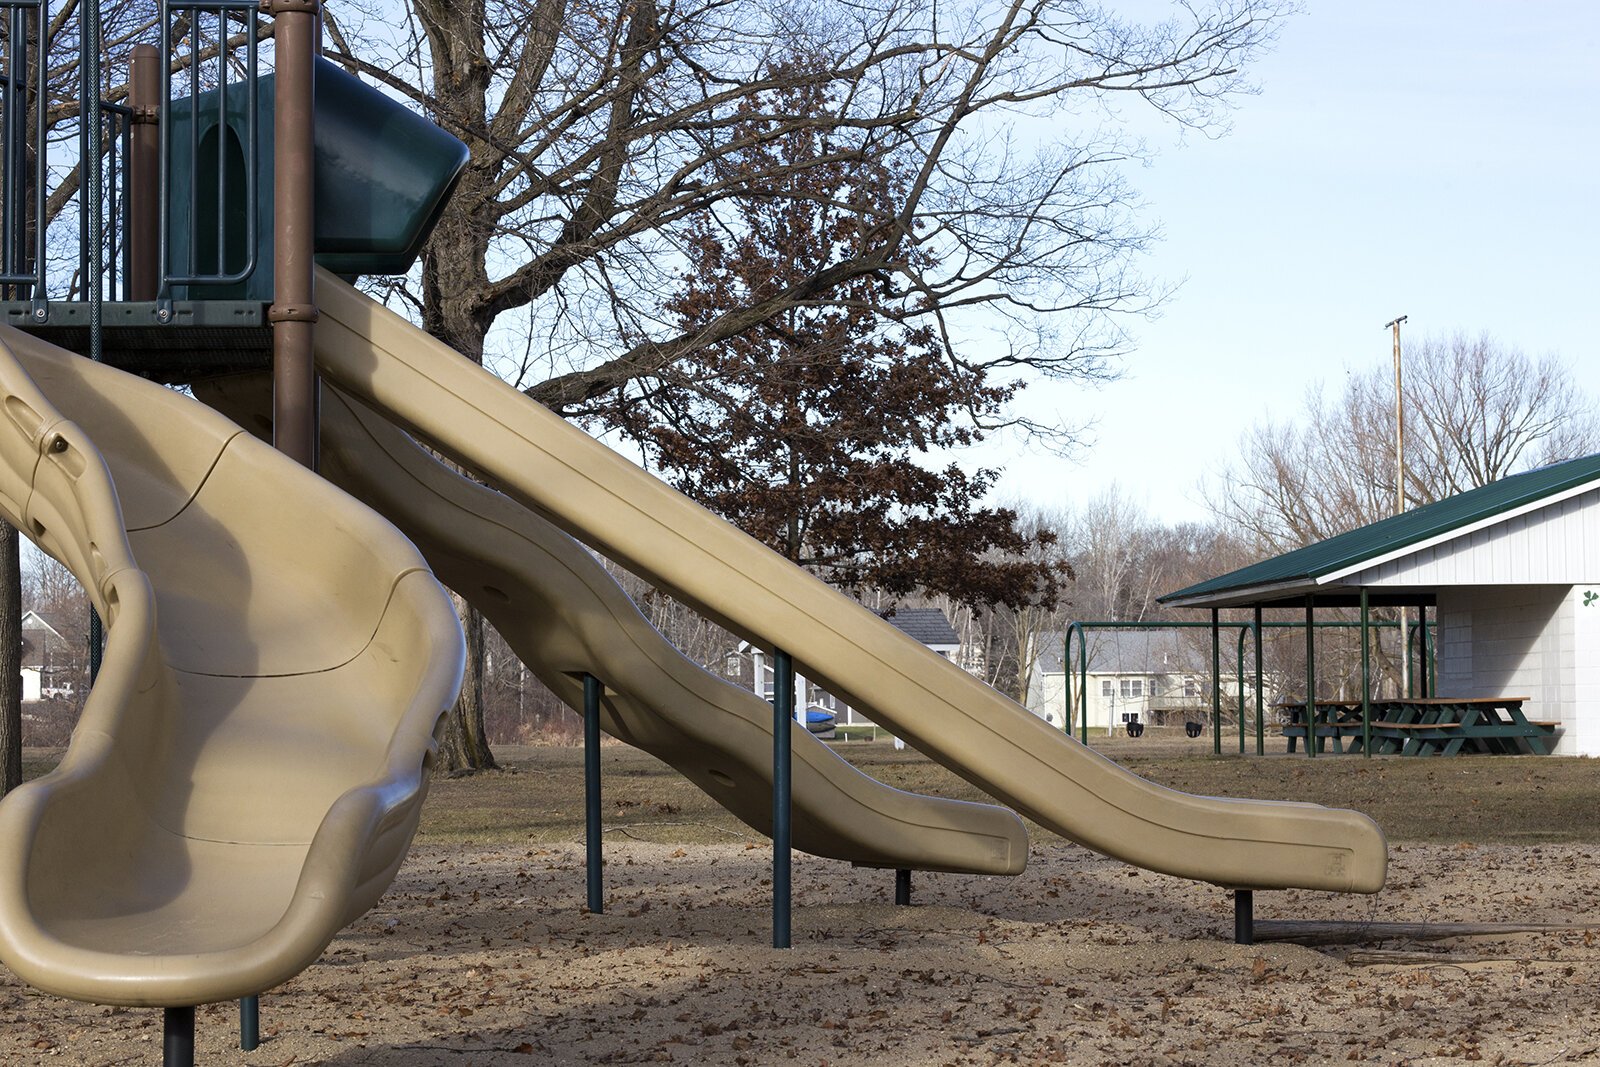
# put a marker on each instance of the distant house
(1148, 676)
(46, 659)
(928, 625)
(1510, 571)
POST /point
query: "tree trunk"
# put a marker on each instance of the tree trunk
(10, 659)
(466, 744)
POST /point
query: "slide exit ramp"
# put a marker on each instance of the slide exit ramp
(250, 764)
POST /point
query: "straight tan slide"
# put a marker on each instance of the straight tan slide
(600, 498)
(564, 616)
(250, 764)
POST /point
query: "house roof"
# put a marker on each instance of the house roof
(32, 620)
(1125, 652)
(927, 625)
(1301, 571)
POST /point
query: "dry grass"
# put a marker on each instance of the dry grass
(539, 797)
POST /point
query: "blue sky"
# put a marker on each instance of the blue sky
(1429, 159)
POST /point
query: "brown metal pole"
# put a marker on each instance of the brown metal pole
(293, 314)
(144, 174)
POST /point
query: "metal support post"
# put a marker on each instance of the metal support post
(591, 793)
(144, 174)
(1261, 726)
(1216, 684)
(1425, 690)
(1366, 676)
(1311, 680)
(177, 1037)
(250, 1022)
(91, 145)
(1244, 631)
(902, 887)
(782, 724)
(296, 30)
(1244, 919)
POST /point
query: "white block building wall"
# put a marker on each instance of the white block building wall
(1513, 641)
(1583, 609)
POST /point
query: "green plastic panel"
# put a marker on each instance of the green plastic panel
(383, 177)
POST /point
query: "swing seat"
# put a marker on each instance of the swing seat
(250, 764)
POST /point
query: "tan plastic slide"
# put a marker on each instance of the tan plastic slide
(599, 497)
(250, 764)
(564, 616)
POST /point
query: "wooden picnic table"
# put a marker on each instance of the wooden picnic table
(1424, 726)
(1336, 721)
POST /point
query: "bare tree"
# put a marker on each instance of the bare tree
(603, 137)
(1475, 412)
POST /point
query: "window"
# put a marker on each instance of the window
(1105, 688)
(1191, 687)
(1132, 687)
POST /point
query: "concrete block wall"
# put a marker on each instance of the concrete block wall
(1524, 641)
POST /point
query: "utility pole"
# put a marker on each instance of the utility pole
(1399, 422)
(1400, 495)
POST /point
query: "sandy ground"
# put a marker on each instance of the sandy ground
(485, 956)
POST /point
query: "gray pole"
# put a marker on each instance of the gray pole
(1400, 478)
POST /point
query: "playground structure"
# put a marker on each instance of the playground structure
(213, 561)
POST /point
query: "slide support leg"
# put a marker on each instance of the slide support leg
(591, 792)
(1244, 919)
(782, 720)
(250, 1022)
(177, 1037)
(902, 887)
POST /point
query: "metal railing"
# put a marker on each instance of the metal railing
(210, 52)
(216, 44)
(22, 219)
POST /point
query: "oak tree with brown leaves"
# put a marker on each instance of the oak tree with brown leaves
(813, 430)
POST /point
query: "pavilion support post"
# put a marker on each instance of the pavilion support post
(1433, 661)
(1216, 682)
(1408, 674)
(1424, 658)
(1244, 919)
(902, 887)
(782, 723)
(1366, 676)
(1244, 631)
(1311, 677)
(1261, 729)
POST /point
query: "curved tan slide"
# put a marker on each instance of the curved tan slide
(565, 616)
(600, 498)
(250, 764)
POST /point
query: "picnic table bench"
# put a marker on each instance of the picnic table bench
(1424, 726)
(1337, 720)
